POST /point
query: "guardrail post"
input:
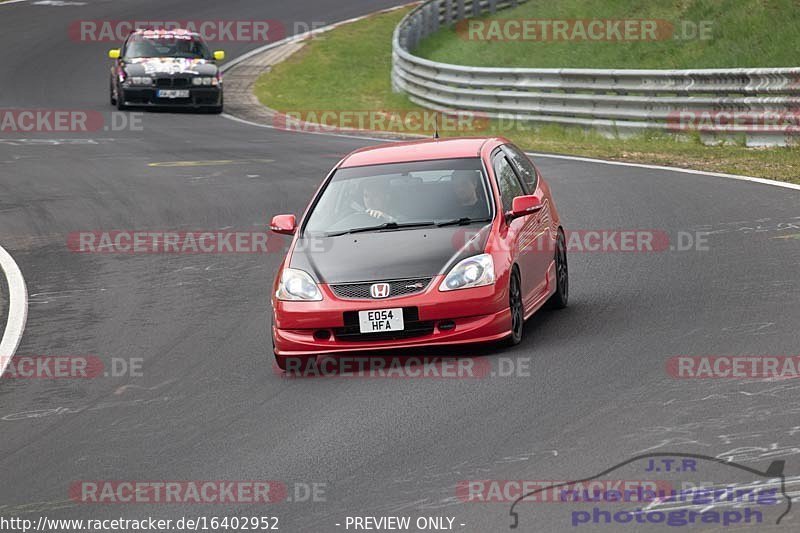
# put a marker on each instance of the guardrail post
(459, 10)
(448, 19)
(492, 6)
(415, 30)
(476, 8)
(426, 20)
(435, 8)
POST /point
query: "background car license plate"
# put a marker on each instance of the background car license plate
(381, 320)
(173, 93)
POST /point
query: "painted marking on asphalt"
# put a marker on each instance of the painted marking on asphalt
(209, 163)
(37, 507)
(124, 388)
(17, 308)
(791, 236)
(344, 135)
(58, 3)
(51, 142)
(57, 411)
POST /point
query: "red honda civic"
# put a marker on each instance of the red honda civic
(438, 242)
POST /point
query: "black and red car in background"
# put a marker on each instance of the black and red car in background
(166, 68)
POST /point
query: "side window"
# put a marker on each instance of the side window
(507, 181)
(523, 165)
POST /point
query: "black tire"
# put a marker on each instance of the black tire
(111, 93)
(216, 110)
(120, 99)
(517, 309)
(560, 298)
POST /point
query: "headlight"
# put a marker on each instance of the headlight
(297, 285)
(475, 271)
(204, 80)
(141, 80)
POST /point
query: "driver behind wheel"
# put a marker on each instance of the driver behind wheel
(376, 201)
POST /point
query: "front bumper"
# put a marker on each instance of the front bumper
(148, 97)
(431, 318)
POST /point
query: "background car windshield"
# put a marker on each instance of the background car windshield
(177, 45)
(405, 193)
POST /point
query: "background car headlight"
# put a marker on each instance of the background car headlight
(206, 81)
(141, 80)
(475, 271)
(297, 285)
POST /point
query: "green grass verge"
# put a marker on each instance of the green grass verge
(740, 33)
(348, 69)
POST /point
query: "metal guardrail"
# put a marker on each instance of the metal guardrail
(761, 103)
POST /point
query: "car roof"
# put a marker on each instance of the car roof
(425, 150)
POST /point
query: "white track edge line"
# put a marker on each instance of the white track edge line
(17, 308)
(762, 181)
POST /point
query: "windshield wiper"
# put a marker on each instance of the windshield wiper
(379, 227)
(463, 221)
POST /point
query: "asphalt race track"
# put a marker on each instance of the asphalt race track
(208, 404)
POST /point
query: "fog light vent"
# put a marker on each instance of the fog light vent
(447, 325)
(322, 334)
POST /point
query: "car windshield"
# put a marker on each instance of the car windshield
(394, 196)
(157, 44)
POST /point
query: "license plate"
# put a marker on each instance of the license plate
(381, 320)
(173, 93)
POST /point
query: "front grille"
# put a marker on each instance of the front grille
(400, 287)
(173, 83)
(414, 327)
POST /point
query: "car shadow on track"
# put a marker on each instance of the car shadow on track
(171, 110)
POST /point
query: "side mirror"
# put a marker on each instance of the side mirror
(283, 224)
(219, 55)
(114, 54)
(524, 205)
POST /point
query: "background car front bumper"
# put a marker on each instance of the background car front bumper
(148, 96)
